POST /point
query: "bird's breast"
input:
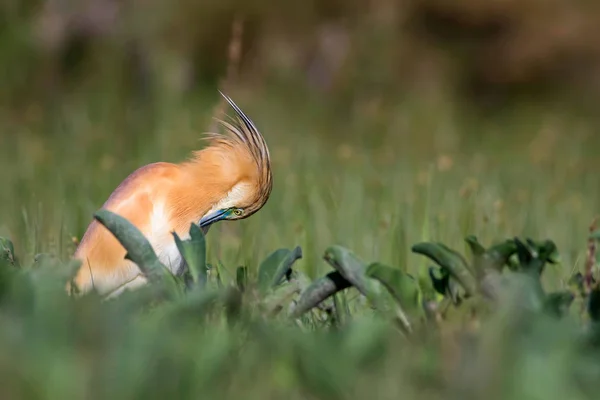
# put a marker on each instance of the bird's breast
(162, 240)
(168, 254)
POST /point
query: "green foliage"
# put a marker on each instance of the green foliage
(7, 253)
(138, 248)
(311, 333)
(275, 332)
(277, 266)
(319, 290)
(402, 286)
(484, 275)
(193, 252)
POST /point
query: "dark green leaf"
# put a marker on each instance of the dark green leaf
(277, 265)
(533, 256)
(524, 254)
(138, 248)
(193, 251)
(449, 260)
(594, 304)
(7, 253)
(445, 285)
(476, 248)
(349, 266)
(494, 257)
(558, 303)
(241, 278)
(318, 291)
(548, 251)
(285, 268)
(457, 257)
(498, 255)
(403, 287)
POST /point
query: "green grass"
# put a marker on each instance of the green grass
(376, 181)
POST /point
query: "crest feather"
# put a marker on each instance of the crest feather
(241, 132)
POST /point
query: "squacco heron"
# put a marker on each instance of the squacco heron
(230, 179)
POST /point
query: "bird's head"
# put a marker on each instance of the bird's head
(244, 162)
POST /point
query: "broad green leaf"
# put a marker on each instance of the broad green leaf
(488, 264)
(476, 248)
(457, 257)
(548, 251)
(277, 265)
(138, 248)
(285, 267)
(499, 255)
(268, 267)
(318, 291)
(439, 284)
(534, 256)
(525, 254)
(403, 287)
(449, 260)
(193, 251)
(350, 267)
(445, 284)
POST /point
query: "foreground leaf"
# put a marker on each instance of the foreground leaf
(403, 287)
(495, 257)
(534, 256)
(7, 253)
(318, 291)
(193, 251)
(445, 285)
(447, 259)
(138, 248)
(350, 267)
(277, 265)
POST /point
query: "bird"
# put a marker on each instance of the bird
(228, 180)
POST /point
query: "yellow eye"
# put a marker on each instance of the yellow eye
(237, 212)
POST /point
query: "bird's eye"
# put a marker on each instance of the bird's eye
(237, 212)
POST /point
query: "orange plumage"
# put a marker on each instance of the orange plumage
(228, 180)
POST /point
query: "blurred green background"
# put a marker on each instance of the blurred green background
(389, 123)
(486, 110)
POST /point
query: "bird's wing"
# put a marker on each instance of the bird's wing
(103, 258)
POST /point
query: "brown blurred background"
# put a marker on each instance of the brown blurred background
(482, 51)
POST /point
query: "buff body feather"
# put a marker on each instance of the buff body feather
(161, 198)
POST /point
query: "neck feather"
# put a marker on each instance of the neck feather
(207, 179)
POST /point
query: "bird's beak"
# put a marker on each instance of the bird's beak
(210, 219)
